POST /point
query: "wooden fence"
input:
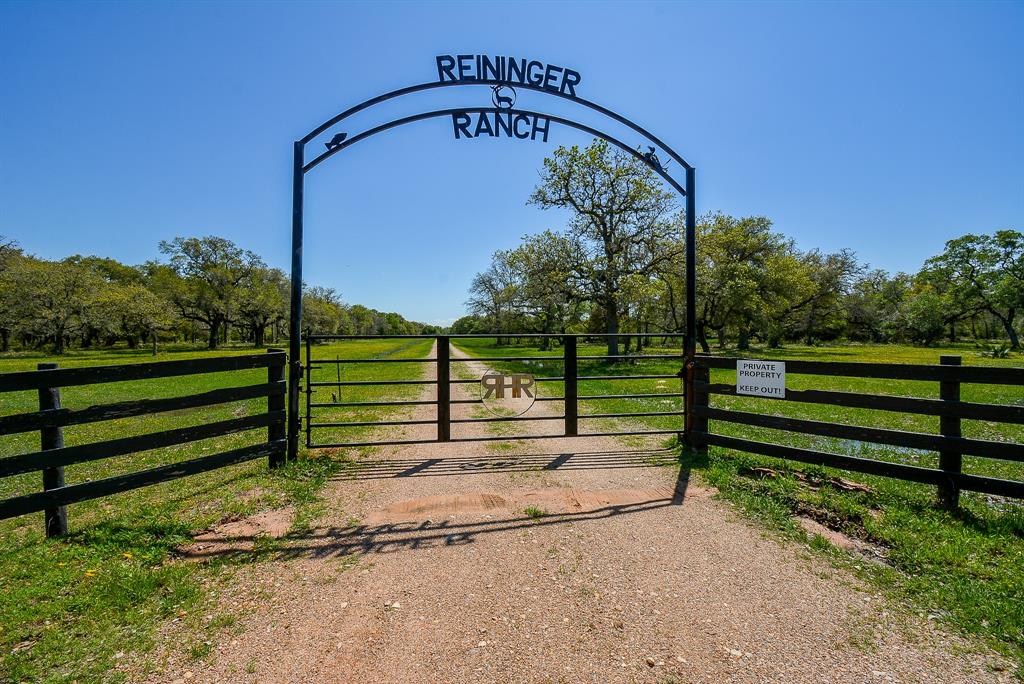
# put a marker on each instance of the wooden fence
(949, 408)
(51, 418)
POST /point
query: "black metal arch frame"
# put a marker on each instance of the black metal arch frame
(300, 168)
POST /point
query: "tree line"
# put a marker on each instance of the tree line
(206, 289)
(618, 268)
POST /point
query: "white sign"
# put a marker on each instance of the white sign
(761, 378)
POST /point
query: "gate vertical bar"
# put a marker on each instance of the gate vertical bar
(950, 462)
(309, 392)
(295, 322)
(691, 265)
(275, 402)
(571, 371)
(690, 341)
(444, 391)
(55, 519)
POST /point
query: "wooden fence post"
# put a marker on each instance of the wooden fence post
(950, 461)
(570, 367)
(694, 373)
(444, 388)
(55, 519)
(275, 402)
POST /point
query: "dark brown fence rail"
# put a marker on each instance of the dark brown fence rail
(51, 418)
(948, 442)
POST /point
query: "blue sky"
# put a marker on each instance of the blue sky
(884, 127)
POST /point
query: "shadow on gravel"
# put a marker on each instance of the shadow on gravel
(407, 536)
(377, 469)
(430, 534)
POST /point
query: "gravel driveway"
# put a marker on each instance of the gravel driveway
(428, 569)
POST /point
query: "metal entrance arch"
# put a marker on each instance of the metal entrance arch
(301, 168)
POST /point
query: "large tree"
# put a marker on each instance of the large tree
(212, 272)
(988, 269)
(621, 221)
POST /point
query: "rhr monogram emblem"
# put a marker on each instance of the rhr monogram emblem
(508, 395)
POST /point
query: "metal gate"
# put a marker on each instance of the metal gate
(326, 395)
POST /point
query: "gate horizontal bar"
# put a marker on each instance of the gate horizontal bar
(677, 431)
(353, 383)
(509, 358)
(477, 401)
(546, 379)
(498, 420)
(598, 397)
(336, 361)
(630, 415)
(584, 378)
(377, 423)
(416, 402)
(353, 445)
(678, 357)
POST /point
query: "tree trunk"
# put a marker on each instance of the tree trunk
(152, 333)
(702, 339)
(743, 343)
(5, 340)
(1007, 322)
(214, 334)
(952, 331)
(721, 337)
(611, 316)
(258, 334)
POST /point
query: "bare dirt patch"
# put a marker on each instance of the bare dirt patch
(239, 535)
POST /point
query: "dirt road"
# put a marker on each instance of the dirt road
(428, 569)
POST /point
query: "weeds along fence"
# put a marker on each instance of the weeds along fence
(51, 418)
(950, 410)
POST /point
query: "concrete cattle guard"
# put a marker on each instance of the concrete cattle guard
(503, 75)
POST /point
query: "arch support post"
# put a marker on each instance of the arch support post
(295, 317)
(690, 341)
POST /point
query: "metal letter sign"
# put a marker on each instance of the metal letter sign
(761, 378)
(504, 120)
(508, 404)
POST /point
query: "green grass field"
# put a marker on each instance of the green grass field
(69, 607)
(965, 569)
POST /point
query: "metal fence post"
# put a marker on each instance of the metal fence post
(571, 373)
(444, 388)
(55, 519)
(276, 402)
(950, 461)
